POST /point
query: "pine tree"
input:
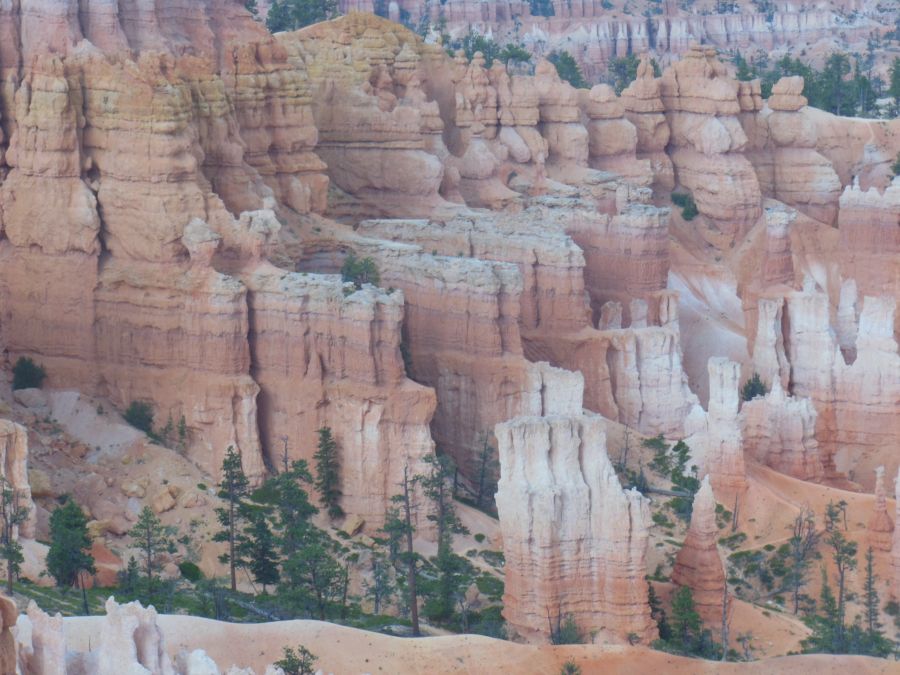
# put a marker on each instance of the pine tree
(130, 576)
(153, 538)
(293, 14)
(454, 572)
(685, 619)
(403, 527)
(12, 515)
(843, 553)
(873, 625)
(233, 489)
(258, 548)
(300, 662)
(69, 555)
(801, 547)
(567, 69)
(487, 471)
(658, 614)
(328, 473)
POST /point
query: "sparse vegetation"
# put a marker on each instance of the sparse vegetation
(139, 414)
(567, 68)
(359, 271)
(299, 662)
(27, 374)
(688, 206)
(753, 388)
(328, 475)
(285, 15)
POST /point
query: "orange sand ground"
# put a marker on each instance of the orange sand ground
(345, 651)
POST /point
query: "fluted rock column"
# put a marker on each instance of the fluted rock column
(698, 564)
(895, 548)
(575, 542)
(715, 436)
(880, 525)
(14, 469)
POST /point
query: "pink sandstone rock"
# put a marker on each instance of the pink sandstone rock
(869, 223)
(14, 468)
(779, 431)
(707, 141)
(880, 527)
(575, 542)
(895, 543)
(698, 564)
(715, 436)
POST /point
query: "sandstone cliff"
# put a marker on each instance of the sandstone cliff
(575, 542)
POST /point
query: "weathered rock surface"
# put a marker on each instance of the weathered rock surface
(698, 564)
(575, 542)
(880, 526)
(779, 431)
(707, 140)
(14, 468)
(714, 436)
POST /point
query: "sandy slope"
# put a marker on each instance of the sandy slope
(344, 650)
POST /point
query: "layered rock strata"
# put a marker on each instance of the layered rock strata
(707, 141)
(575, 542)
(714, 436)
(780, 431)
(880, 528)
(14, 468)
(698, 564)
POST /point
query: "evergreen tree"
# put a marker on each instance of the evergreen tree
(69, 555)
(12, 515)
(328, 473)
(380, 590)
(285, 15)
(568, 69)
(258, 549)
(402, 527)
(487, 471)
(825, 635)
(232, 517)
(753, 387)
(153, 538)
(843, 554)
(801, 549)
(454, 573)
(685, 624)
(300, 662)
(894, 87)
(541, 7)
(129, 577)
(250, 6)
(313, 580)
(658, 614)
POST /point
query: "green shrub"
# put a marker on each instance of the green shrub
(140, 415)
(27, 374)
(490, 586)
(688, 206)
(190, 571)
(567, 69)
(360, 271)
(753, 388)
(479, 537)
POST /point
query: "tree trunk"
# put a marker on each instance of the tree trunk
(231, 542)
(725, 622)
(411, 562)
(84, 601)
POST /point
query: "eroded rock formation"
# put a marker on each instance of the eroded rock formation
(698, 564)
(714, 436)
(880, 526)
(575, 542)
